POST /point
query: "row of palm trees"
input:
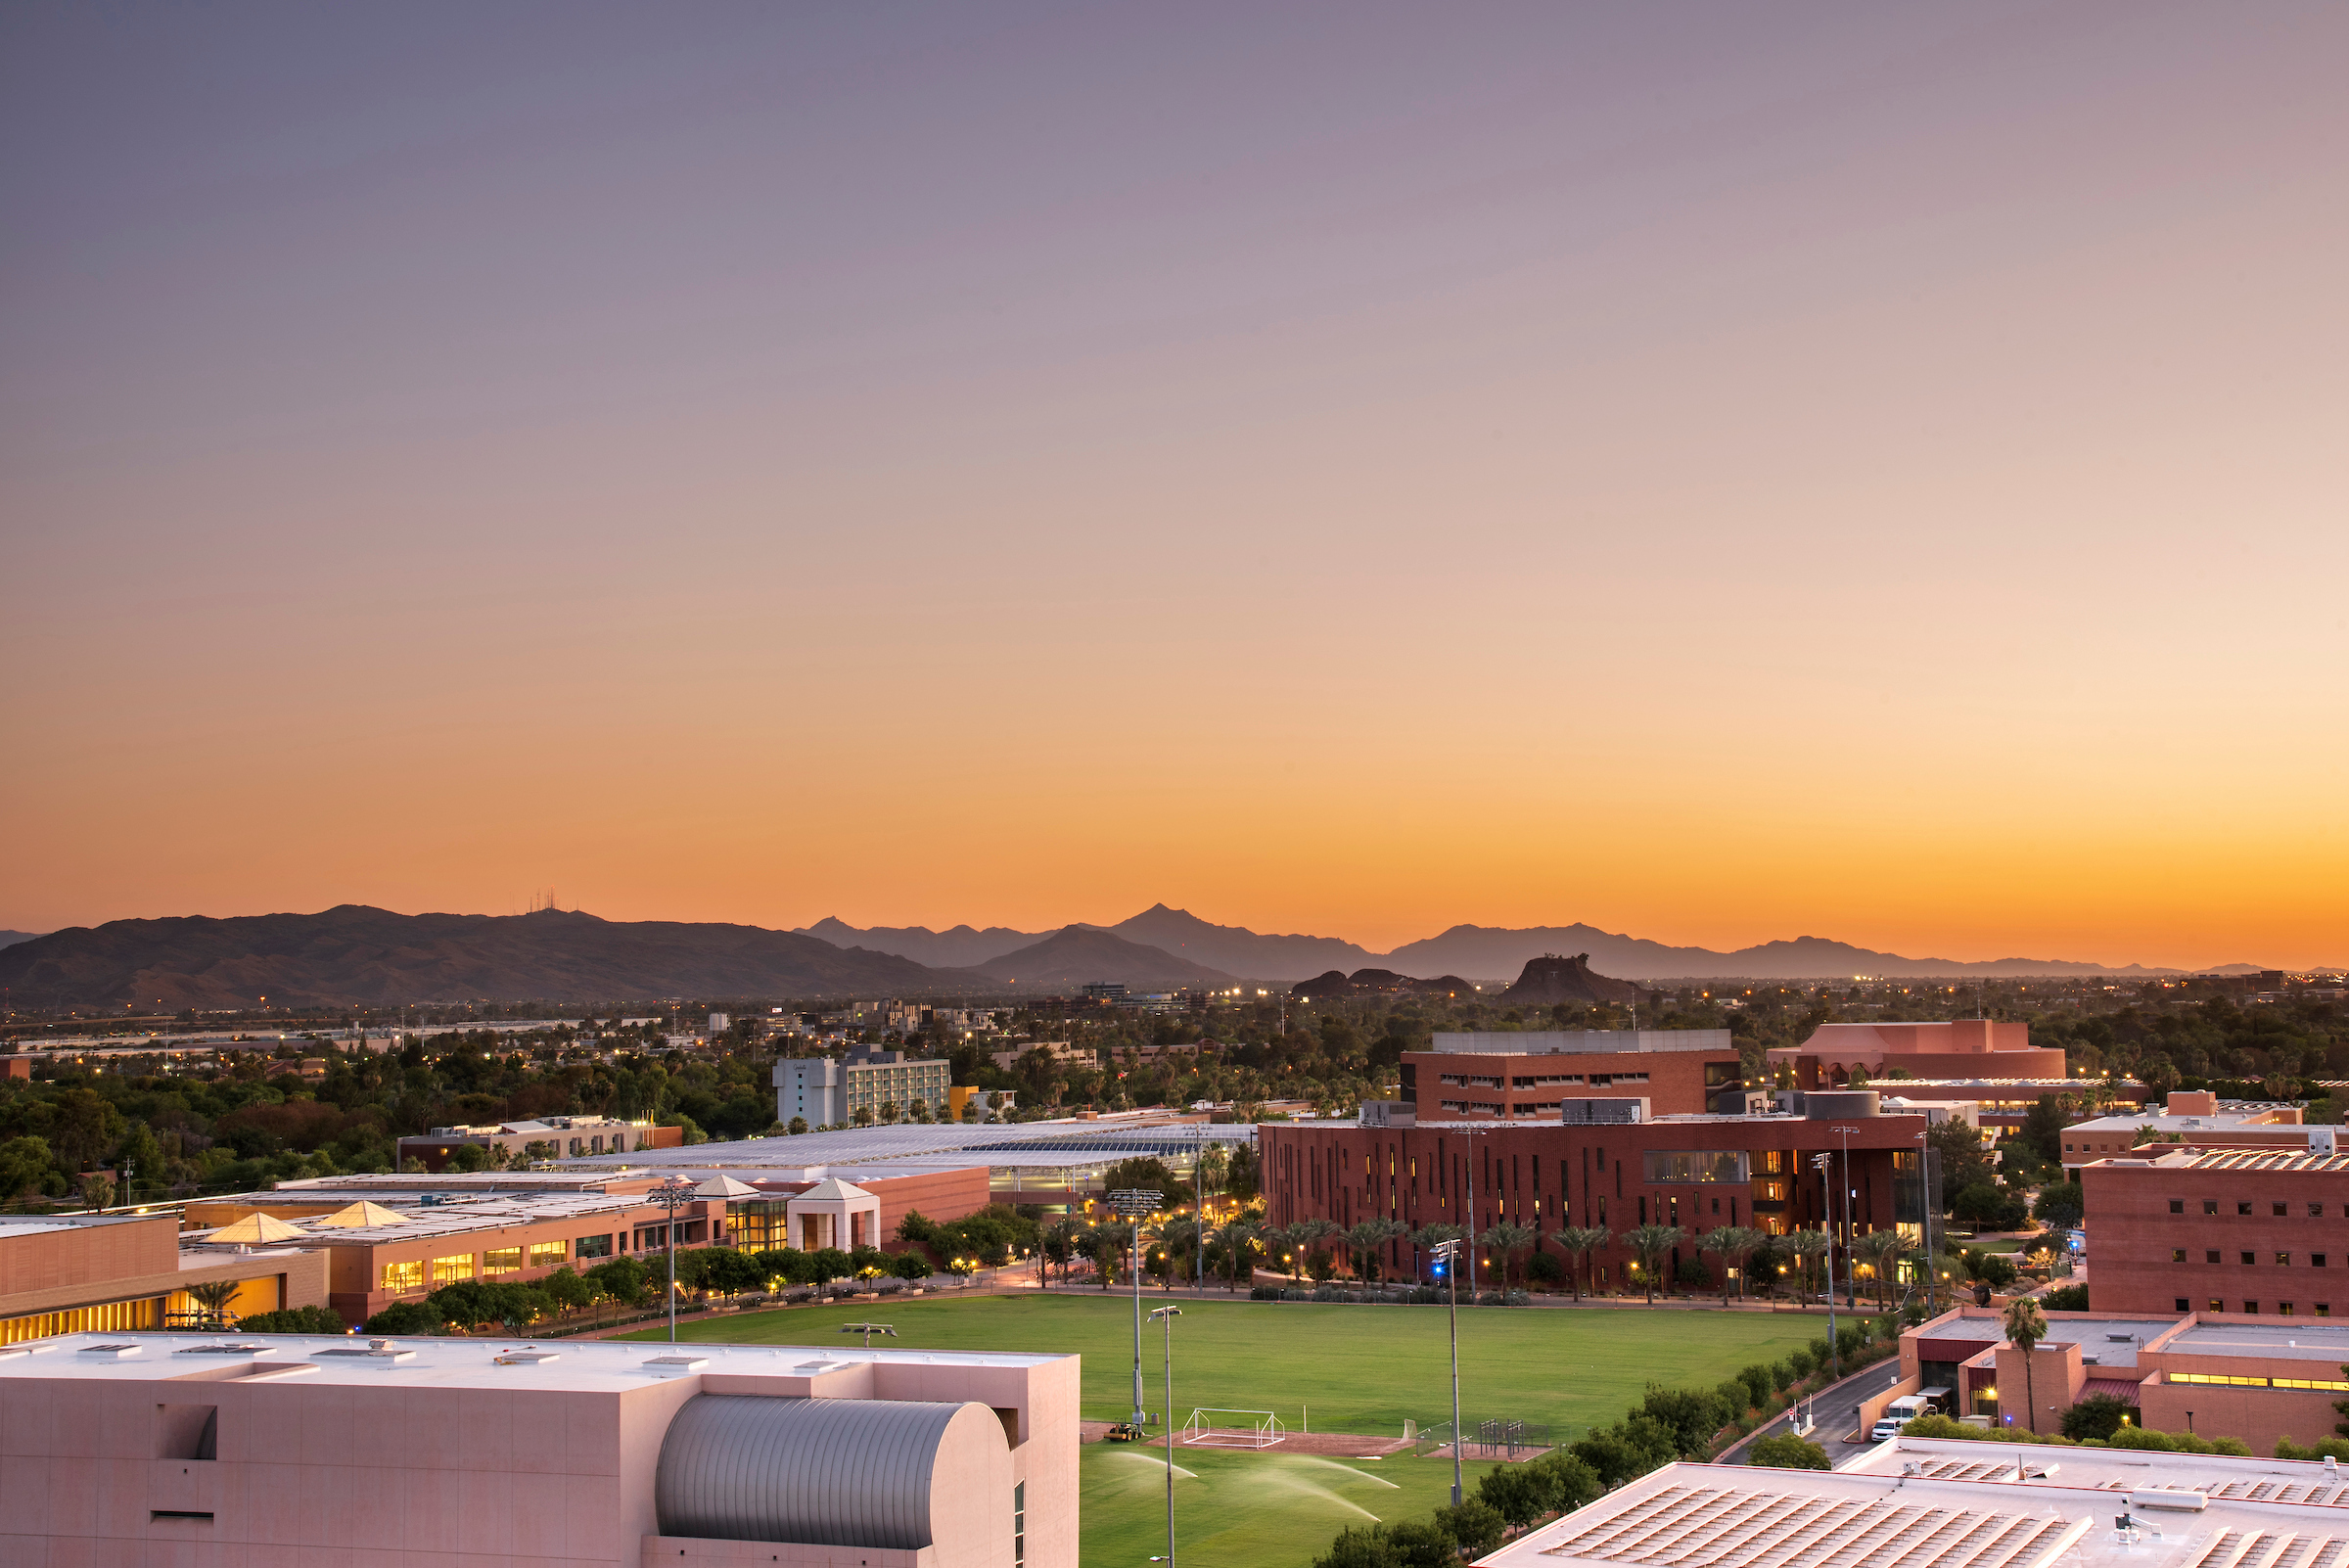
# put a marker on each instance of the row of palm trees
(1228, 1251)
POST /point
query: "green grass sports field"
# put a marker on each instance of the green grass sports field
(1338, 1368)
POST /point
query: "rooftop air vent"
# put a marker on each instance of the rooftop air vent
(112, 1353)
(221, 1350)
(677, 1363)
(529, 1357)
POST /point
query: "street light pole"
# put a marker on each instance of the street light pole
(1851, 1232)
(1134, 1203)
(671, 1195)
(1165, 1316)
(1449, 1252)
(1825, 1164)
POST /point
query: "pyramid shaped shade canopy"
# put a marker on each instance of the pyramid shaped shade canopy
(725, 1187)
(359, 1215)
(255, 1227)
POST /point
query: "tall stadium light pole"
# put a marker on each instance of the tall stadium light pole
(671, 1195)
(1136, 1202)
(1825, 1164)
(1166, 1316)
(1851, 1231)
(1924, 1182)
(1448, 1254)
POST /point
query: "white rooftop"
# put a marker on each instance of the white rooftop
(915, 1147)
(1912, 1504)
(445, 1362)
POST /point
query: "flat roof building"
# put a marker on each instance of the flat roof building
(124, 1448)
(2250, 1231)
(1912, 1502)
(1957, 1047)
(524, 1142)
(68, 1272)
(1695, 1172)
(865, 1086)
(2200, 1119)
(1510, 1076)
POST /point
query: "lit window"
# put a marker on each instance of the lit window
(546, 1254)
(2284, 1259)
(502, 1261)
(457, 1267)
(2178, 1255)
(404, 1276)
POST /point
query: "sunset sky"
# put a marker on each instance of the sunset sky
(1717, 472)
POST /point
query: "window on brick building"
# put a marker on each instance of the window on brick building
(2316, 1211)
(2211, 1256)
(2177, 1205)
(2323, 1309)
(2182, 1306)
(2216, 1306)
(2284, 1259)
(2285, 1308)
(2251, 1308)
(2315, 1260)
(2248, 1257)
(2178, 1255)
(2242, 1208)
(2279, 1210)
(2210, 1205)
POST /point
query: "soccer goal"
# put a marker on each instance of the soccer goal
(1232, 1429)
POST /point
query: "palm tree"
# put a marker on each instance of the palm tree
(1239, 1246)
(1730, 1244)
(214, 1296)
(1503, 1239)
(1882, 1250)
(1304, 1238)
(1177, 1235)
(1648, 1244)
(1061, 1240)
(2025, 1327)
(1806, 1245)
(1364, 1242)
(1581, 1241)
(1427, 1239)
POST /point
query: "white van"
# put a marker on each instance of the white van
(1899, 1414)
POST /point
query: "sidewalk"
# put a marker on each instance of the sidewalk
(1826, 1406)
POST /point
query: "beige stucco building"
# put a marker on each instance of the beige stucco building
(341, 1453)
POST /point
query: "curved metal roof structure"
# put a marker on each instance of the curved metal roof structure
(824, 1473)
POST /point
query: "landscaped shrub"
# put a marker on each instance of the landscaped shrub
(2065, 1299)
(1783, 1374)
(295, 1320)
(1789, 1452)
(406, 1318)
(1758, 1384)
(2331, 1447)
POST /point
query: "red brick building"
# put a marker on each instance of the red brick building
(2250, 1232)
(1696, 1172)
(1529, 1076)
(1961, 1047)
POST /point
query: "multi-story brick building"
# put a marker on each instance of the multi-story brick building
(1695, 1172)
(1530, 1075)
(1958, 1048)
(2200, 1119)
(2255, 1233)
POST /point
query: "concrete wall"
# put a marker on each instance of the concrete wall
(2257, 1415)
